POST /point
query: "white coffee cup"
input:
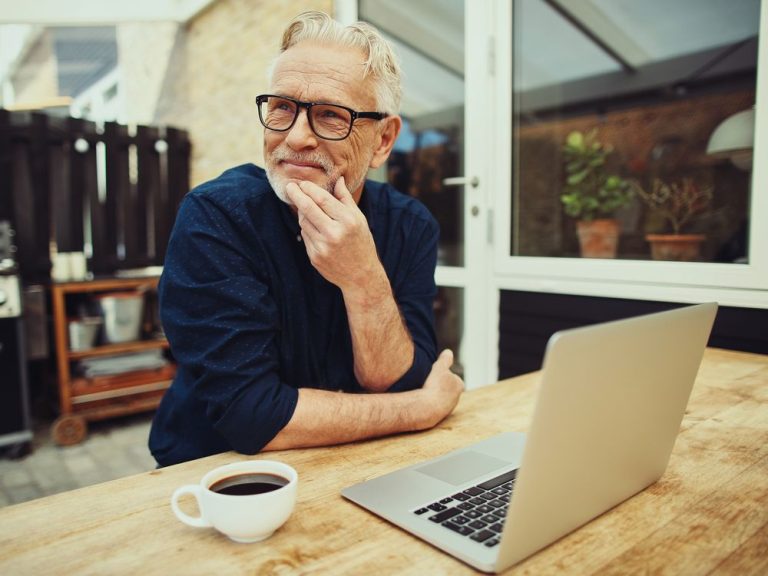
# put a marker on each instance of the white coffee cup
(247, 517)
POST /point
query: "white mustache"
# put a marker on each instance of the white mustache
(285, 153)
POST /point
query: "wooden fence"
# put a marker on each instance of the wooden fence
(105, 190)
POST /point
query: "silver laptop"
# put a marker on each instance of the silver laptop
(609, 407)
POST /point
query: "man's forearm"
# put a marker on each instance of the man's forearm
(382, 346)
(340, 246)
(324, 418)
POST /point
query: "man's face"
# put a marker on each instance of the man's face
(314, 72)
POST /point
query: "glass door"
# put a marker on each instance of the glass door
(433, 160)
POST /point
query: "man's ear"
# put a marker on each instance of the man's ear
(385, 139)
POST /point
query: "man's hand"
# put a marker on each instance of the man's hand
(442, 389)
(336, 234)
(340, 246)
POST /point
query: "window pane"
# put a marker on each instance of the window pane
(429, 148)
(449, 312)
(637, 112)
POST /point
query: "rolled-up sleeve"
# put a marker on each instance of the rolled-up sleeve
(415, 291)
(222, 322)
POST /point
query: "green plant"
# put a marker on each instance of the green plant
(589, 191)
(677, 202)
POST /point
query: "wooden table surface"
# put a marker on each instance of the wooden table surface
(708, 513)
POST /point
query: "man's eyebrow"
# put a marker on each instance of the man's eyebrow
(331, 102)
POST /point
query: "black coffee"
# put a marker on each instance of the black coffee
(248, 483)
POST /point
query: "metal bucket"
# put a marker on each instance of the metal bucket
(83, 332)
(122, 313)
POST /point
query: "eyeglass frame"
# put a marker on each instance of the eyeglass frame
(354, 114)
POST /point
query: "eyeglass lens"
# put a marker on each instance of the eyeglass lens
(327, 120)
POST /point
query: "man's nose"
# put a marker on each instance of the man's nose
(301, 135)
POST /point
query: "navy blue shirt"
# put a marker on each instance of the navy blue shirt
(250, 320)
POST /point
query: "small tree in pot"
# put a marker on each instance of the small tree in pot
(592, 195)
(678, 203)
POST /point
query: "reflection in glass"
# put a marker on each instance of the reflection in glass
(428, 38)
(449, 311)
(654, 83)
(428, 151)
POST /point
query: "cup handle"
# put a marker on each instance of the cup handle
(195, 490)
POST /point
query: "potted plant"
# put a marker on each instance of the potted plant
(592, 195)
(678, 203)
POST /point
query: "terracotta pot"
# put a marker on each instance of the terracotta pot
(598, 238)
(676, 247)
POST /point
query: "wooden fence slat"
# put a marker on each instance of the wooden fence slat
(118, 190)
(6, 167)
(49, 190)
(148, 187)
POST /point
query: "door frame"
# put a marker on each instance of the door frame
(479, 338)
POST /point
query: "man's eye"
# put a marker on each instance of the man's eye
(284, 106)
(329, 114)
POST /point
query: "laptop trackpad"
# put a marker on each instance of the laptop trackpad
(462, 467)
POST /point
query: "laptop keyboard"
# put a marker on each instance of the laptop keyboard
(477, 512)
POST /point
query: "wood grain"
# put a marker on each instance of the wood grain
(707, 515)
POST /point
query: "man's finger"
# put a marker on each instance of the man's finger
(297, 197)
(343, 194)
(445, 359)
(328, 203)
(308, 228)
(308, 208)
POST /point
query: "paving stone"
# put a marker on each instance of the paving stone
(52, 479)
(124, 468)
(81, 464)
(96, 476)
(143, 458)
(70, 452)
(45, 458)
(6, 465)
(15, 477)
(18, 494)
(113, 449)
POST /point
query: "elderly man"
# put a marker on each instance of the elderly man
(298, 301)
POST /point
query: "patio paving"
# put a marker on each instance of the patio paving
(112, 449)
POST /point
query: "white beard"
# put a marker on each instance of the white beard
(279, 182)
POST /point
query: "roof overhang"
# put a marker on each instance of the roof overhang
(98, 12)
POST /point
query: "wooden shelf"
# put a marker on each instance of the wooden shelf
(122, 348)
(85, 388)
(102, 397)
(106, 284)
(128, 405)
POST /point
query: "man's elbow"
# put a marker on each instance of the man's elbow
(381, 380)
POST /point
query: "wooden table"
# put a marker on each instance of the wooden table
(708, 513)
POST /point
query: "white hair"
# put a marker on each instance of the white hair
(381, 62)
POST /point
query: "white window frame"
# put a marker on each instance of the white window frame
(744, 285)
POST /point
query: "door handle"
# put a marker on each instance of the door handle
(474, 181)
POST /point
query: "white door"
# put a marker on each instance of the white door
(441, 157)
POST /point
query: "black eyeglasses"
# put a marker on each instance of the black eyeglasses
(328, 121)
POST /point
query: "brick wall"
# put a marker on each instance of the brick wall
(144, 58)
(637, 134)
(36, 79)
(217, 66)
